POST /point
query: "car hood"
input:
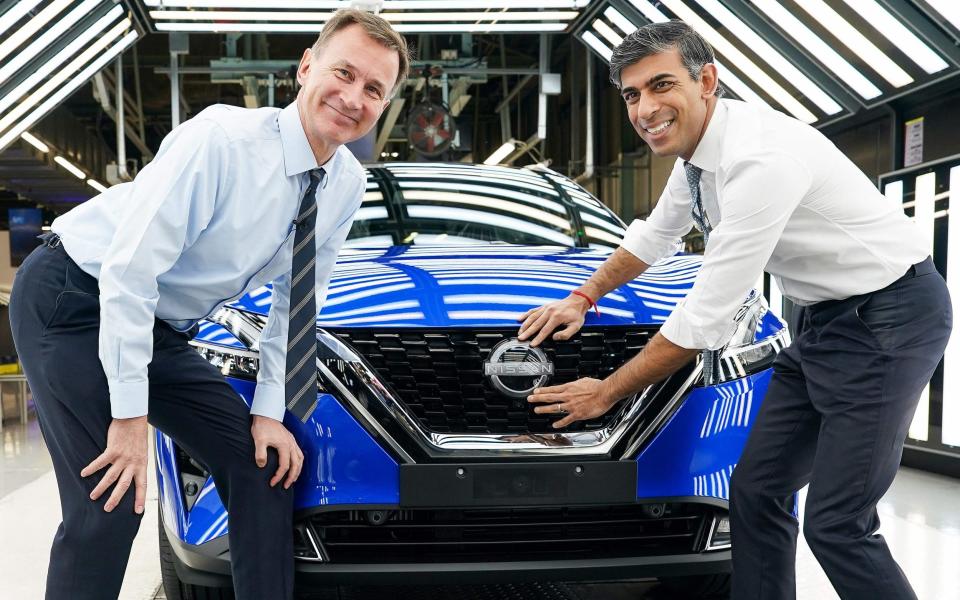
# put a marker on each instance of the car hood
(481, 286)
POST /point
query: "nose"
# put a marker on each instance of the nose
(352, 97)
(647, 107)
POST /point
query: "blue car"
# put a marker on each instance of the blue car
(423, 460)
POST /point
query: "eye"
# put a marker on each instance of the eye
(629, 96)
(345, 74)
(662, 85)
(374, 92)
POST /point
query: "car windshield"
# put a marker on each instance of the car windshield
(450, 204)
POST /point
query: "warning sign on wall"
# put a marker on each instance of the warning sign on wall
(913, 142)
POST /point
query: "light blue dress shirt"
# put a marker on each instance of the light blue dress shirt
(208, 220)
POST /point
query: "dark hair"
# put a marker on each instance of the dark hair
(655, 38)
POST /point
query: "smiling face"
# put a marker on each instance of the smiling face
(668, 108)
(345, 88)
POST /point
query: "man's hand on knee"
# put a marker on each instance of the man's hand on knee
(270, 433)
(126, 453)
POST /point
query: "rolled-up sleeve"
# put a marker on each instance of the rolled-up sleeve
(659, 235)
(758, 195)
(269, 397)
(174, 196)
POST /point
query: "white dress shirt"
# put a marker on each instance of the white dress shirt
(208, 220)
(781, 198)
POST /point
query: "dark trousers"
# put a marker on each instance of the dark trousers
(55, 318)
(835, 417)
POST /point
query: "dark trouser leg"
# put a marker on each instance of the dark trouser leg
(91, 548)
(54, 313)
(872, 359)
(775, 463)
(191, 402)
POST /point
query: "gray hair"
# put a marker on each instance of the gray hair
(656, 38)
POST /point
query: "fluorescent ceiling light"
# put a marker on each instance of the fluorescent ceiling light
(607, 32)
(402, 28)
(744, 64)
(32, 26)
(96, 185)
(58, 59)
(616, 17)
(853, 39)
(36, 143)
(222, 15)
(898, 34)
(61, 75)
(49, 36)
(648, 10)
(950, 10)
(66, 164)
(771, 56)
(818, 48)
(67, 89)
(332, 5)
(594, 42)
(501, 153)
(16, 13)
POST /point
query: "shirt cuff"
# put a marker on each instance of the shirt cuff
(640, 241)
(268, 402)
(687, 331)
(129, 399)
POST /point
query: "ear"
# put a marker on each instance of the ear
(304, 69)
(709, 80)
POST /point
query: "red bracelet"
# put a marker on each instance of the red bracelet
(588, 299)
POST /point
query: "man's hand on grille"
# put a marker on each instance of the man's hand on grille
(578, 401)
(567, 314)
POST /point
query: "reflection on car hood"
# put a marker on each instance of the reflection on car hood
(481, 286)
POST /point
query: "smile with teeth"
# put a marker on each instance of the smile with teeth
(659, 128)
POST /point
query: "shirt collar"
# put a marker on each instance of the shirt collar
(707, 154)
(298, 157)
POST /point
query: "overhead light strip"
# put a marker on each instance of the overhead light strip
(332, 5)
(948, 9)
(850, 37)
(771, 56)
(16, 13)
(54, 82)
(60, 57)
(66, 90)
(219, 15)
(66, 164)
(402, 28)
(35, 142)
(96, 185)
(594, 42)
(818, 48)
(24, 33)
(607, 32)
(623, 23)
(744, 64)
(897, 33)
(44, 41)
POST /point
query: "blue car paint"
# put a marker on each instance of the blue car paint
(446, 287)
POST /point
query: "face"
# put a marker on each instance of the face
(344, 89)
(666, 106)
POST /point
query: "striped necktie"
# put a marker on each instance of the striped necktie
(696, 205)
(301, 382)
(710, 358)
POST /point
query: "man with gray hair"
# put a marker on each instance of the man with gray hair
(771, 193)
(102, 313)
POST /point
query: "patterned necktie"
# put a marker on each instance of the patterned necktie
(301, 382)
(710, 358)
(696, 205)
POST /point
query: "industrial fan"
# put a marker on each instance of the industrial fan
(430, 129)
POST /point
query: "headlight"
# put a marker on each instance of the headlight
(232, 362)
(743, 355)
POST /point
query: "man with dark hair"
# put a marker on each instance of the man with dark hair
(771, 193)
(234, 199)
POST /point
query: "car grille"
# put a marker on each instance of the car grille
(506, 534)
(439, 374)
